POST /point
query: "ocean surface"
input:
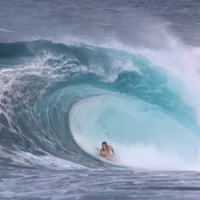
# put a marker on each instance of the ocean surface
(76, 73)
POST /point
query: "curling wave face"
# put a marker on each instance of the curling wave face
(59, 102)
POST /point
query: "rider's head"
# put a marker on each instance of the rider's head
(104, 145)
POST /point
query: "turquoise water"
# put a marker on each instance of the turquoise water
(65, 90)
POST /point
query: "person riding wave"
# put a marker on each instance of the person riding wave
(106, 151)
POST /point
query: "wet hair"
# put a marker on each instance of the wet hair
(105, 144)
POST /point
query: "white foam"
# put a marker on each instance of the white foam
(48, 161)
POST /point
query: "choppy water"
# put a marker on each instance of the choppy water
(76, 73)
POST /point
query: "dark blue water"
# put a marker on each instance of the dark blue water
(76, 73)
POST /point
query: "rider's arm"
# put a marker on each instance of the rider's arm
(102, 153)
(113, 151)
(111, 148)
